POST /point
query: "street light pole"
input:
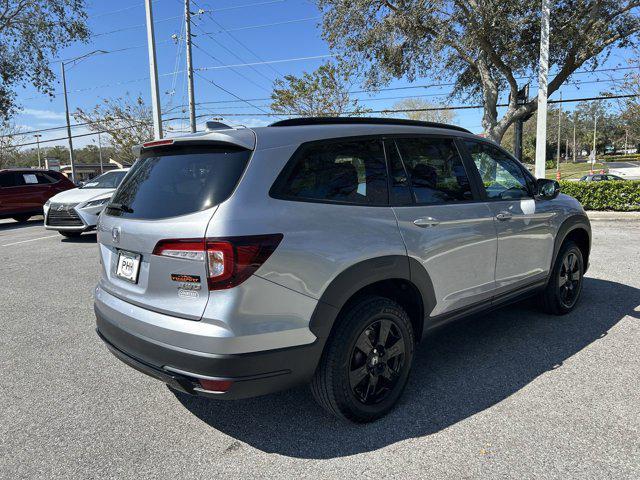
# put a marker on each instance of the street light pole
(100, 152)
(66, 106)
(37, 135)
(66, 110)
(543, 73)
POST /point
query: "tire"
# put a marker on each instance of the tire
(70, 234)
(350, 365)
(22, 218)
(562, 292)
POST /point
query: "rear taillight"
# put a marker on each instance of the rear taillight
(230, 260)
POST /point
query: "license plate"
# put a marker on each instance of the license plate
(128, 266)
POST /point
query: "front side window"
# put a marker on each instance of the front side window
(435, 169)
(501, 176)
(345, 171)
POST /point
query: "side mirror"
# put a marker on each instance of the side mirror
(547, 189)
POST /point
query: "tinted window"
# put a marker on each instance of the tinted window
(400, 193)
(339, 171)
(106, 180)
(7, 180)
(43, 178)
(502, 176)
(435, 169)
(171, 182)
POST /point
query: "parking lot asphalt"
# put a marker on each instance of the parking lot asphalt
(511, 394)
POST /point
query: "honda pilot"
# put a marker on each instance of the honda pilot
(238, 262)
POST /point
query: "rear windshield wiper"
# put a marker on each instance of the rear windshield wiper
(120, 206)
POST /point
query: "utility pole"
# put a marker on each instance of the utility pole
(559, 124)
(626, 135)
(575, 120)
(595, 126)
(192, 102)
(66, 109)
(37, 135)
(153, 73)
(522, 97)
(543, 73)
(100, 152)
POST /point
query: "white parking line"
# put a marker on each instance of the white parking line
(25, 241)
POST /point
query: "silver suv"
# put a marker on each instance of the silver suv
(238, 262)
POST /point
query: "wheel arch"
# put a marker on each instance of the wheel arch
(399, 277)
(578, 229)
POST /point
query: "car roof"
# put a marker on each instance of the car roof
(26, 169)
(296, 132)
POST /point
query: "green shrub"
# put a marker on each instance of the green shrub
(620, 196)
(619, 158)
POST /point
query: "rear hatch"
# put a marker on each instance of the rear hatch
(170, 193)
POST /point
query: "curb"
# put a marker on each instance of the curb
(595, 215)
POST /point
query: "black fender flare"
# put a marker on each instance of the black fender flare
(363, 274)
(574, 222)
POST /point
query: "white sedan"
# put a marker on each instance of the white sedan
(75, 211)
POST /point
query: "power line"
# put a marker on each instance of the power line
(269, 62)
(232, 53)
(265, 25)
(227, 91)
(265, 113)
(232, 69)
(239, 42)
(256, 4)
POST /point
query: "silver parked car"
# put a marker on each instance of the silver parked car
(238, 262)
(75, 211)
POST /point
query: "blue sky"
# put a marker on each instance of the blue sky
(240, 32)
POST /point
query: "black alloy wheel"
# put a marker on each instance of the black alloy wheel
(377, 359)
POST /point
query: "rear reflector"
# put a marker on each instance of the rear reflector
(230, 260)
(215, 385)
(157, 143)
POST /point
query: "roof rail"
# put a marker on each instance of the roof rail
(292, 122)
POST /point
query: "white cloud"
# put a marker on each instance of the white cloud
(43, 114)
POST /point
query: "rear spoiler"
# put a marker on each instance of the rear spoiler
(240, 137)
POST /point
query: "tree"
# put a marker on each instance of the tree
(485, 46)
(323, 92)
(424, 110)
(10, 136)
(31, 34)
(128, 122)
(630, 107)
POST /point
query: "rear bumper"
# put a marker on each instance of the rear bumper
(252, 374)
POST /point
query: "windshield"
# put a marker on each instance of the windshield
(179, 180)
(106, 180)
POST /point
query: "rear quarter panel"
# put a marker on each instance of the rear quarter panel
(320, 239)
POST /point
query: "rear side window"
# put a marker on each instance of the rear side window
(345, 171)
(6, 180)
(177, 181)
(435, 168)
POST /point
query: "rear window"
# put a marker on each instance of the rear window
(177, 181)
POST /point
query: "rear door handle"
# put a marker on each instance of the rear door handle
(502, 216)
(425, 222)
